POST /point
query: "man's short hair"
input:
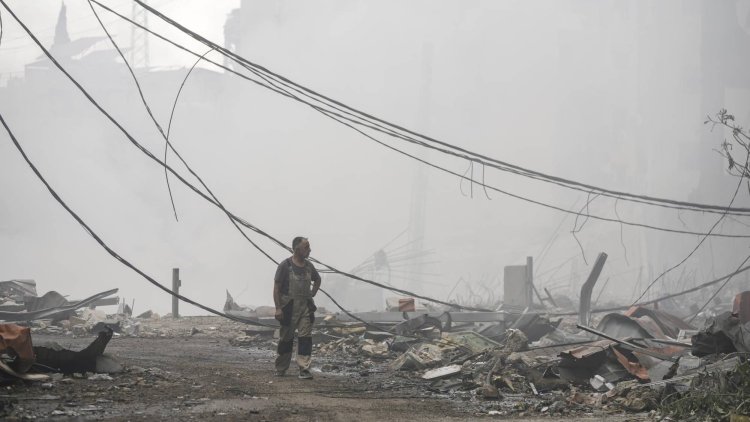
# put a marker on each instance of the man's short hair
(296, 242)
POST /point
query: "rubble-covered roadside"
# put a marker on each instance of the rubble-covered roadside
(201, 376)
(642, 362)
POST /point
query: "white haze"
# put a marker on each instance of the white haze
(604, 92)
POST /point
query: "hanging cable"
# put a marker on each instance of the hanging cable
(719, 220)
(336, 117)
(476, 157)
(622, 241)
(156, 123)
(104, 245)
(1, 29)
(148, 109)
(215, 202)
(169, 125)
(232, 217)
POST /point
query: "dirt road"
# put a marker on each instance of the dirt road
(203, 377)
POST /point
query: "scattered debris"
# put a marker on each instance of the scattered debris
(518, 360)
(54, 313)
(723, 334)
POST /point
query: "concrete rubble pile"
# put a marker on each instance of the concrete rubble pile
(522, 363)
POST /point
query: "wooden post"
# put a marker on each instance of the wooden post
(176, 289)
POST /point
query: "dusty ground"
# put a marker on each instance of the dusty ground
(174, 375)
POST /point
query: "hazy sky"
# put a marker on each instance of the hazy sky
(607, 93)
(41, 16)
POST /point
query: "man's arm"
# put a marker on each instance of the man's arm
(277, 278)
(277, 294)
(316, 281)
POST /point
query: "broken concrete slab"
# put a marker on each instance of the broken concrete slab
(442, 372)
(375, 350)
(600, 384)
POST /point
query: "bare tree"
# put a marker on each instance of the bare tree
(732, 150)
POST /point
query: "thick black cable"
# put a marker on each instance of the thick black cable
(543, 204)
(402, 291)
(337, 117)
(719, 220)
(317, 108)
(104, 245)
(148, 109)
(356, 120)
(131, 138)
(176, 174)
(232, 217)
(331, 115)
(309, 92)
(138, 271)
(158, 126)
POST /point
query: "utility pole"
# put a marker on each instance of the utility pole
(176, 283)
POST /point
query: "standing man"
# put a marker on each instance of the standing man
(295, 284)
